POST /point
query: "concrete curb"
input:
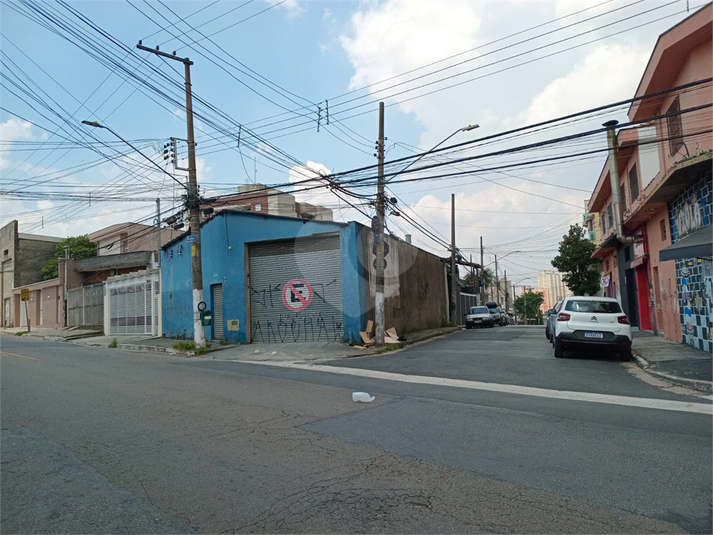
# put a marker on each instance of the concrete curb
(696, 384)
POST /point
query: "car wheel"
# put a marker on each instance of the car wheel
(558, 350)
(468, 326)
(547, 334)
(625, 355)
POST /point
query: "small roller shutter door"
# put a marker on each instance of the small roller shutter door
(295, 290)
(217, 312)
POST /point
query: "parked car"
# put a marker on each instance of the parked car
(592, 322)
(478, 317)
(497, 316)
(551, 318)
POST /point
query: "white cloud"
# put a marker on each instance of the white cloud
(293, 7)
(14, 129)
(607, 74)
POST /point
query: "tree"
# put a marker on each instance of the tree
(576, 262)
(79, 247)
(529, 303)
(485, 275)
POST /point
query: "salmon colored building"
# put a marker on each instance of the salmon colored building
(654, 236)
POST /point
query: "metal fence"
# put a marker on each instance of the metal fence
(85, 306)
(465, 301)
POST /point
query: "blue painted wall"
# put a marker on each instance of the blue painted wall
(223, 240)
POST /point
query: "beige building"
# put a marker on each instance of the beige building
(553, 288)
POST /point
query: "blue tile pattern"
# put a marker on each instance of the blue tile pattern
(690, 210)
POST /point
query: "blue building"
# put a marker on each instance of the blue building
(270, 278)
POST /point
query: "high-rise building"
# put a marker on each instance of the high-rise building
(553, 287)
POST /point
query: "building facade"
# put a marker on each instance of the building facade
(662, 176)
(281, 279)
(553, 288)
(23, 257)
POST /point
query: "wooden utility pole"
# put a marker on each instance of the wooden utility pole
(482, 270)
(505, 276)
(497, 282)
(453, 305)
(193, 200)
(379, 317)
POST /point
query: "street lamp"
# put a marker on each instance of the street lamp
(464, 129)
(96, 124)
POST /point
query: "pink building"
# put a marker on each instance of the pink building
(660, 264)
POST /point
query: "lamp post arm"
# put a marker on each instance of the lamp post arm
(97, 125)
(466, 129)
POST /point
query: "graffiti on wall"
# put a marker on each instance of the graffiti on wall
(296, 323)
(301, 327)
(688, 218)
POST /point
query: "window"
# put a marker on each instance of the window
(258, 207)
(610, 216)
(663, 229)
(599, 307)
(675, 129)
(633, 183)
(604, 224)
(622, 195)
(6, 252)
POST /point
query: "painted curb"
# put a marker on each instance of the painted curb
(696, 384)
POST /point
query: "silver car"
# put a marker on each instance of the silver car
(478, 317)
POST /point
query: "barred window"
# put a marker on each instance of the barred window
(633, 183)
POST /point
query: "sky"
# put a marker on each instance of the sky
(287, 91)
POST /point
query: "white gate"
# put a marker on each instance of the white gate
(132, 306)
(217, 311)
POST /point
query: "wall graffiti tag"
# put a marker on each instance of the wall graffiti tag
(300, 327)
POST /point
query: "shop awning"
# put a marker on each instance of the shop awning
(698, 244)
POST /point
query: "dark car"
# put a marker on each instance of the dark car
(551, 318)
(497, 316)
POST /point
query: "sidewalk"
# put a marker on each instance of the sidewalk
(673, 361)
(301, 351)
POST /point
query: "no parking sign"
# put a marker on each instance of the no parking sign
(297, 295)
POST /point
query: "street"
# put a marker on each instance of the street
(481, 431)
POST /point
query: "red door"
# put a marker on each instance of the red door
(644, 298)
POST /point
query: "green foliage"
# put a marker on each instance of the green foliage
(79, 247)
(486, 275)
(21, 333)
(575, 260)
(114, 343)
(390, 347)
(529, 304)
(201, 351)
(184, 345)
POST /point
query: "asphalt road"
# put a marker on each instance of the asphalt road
(506, 439)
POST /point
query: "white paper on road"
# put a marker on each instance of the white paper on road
(646, 403)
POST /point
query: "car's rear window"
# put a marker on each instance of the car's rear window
(600, 307)
(478, 310)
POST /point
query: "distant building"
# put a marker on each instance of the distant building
(553, 288)
(266, 200)
(23, 256)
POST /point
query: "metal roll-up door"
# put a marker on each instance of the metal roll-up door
(217, 311)
(295, 290)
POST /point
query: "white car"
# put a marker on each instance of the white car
(478, 317)
(592, 322)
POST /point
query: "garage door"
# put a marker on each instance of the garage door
(296, 290)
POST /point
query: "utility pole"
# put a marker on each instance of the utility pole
(514, 311)
(66, 295)
(379, 238)
(505, 291)
(193, 200)
(453, 305)
(158, 229)
(497, 282)
(482, 269)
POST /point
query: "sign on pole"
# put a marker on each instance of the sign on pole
(25, 294)
(604, 282)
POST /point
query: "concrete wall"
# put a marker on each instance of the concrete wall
(44, 309)
(415, 288)
(223, 245)
(23, 256)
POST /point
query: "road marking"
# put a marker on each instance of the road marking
(646, 403)
(18, 356)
